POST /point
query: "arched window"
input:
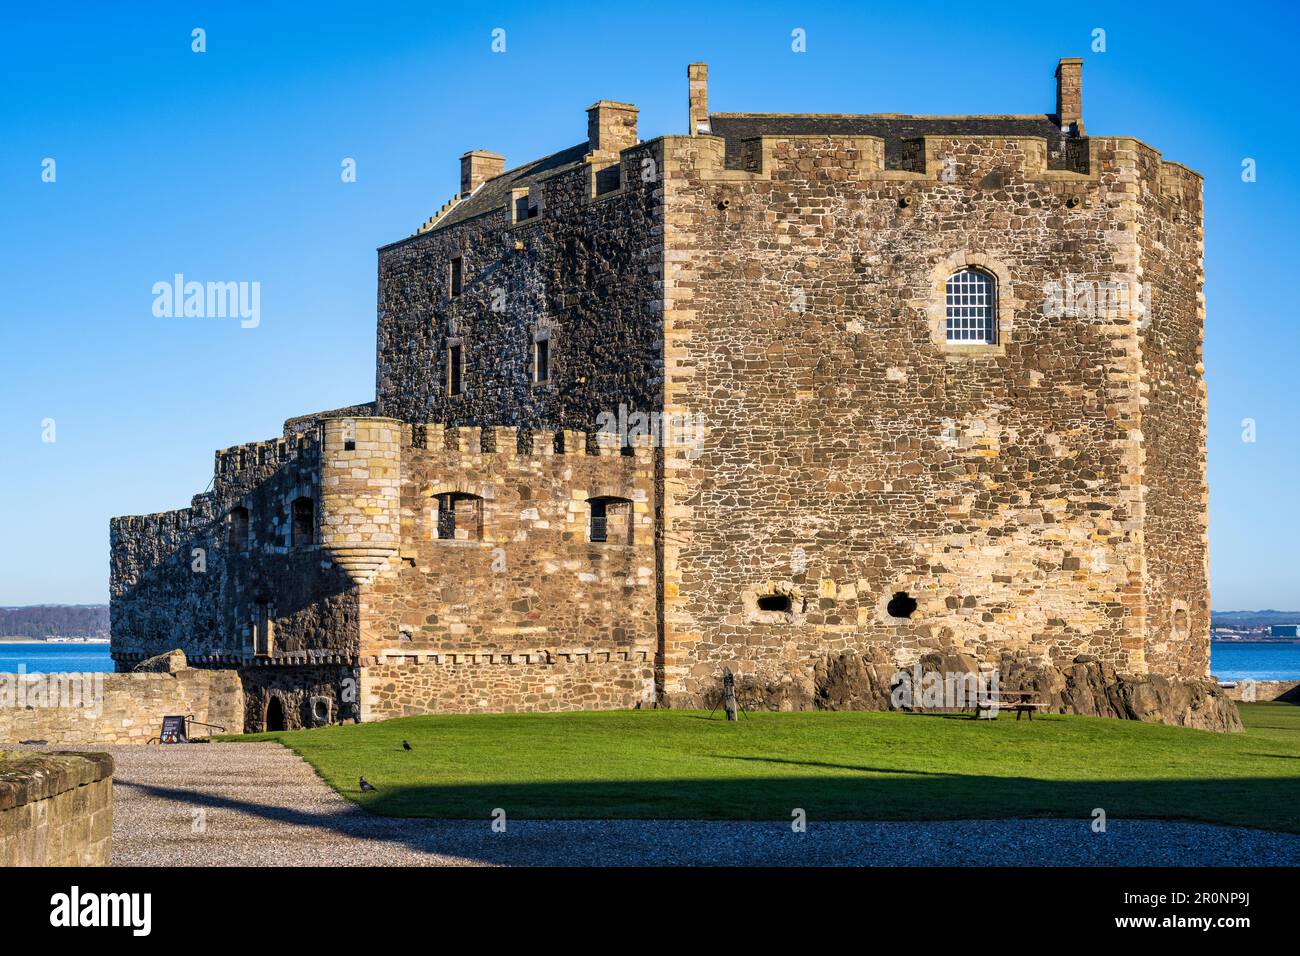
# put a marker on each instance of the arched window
(303, 528)
(460, 517)
(237, 529)
(611, 520)
(972, 302)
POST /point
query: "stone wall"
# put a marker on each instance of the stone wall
(998, 486)
(56, 809)
(1172, 428)
(188, 579)
(115, 708)
(521, 583)
(403, 685)
(522, 579)
(583, 271)
(297, 696)
(1287, 691)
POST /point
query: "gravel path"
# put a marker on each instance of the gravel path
(259, 804)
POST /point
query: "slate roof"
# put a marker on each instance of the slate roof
(495, 193)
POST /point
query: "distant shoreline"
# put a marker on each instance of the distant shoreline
(57, 643)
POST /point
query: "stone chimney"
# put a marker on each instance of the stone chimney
(611, 127)
(697, 76)
(477, 167)
(1069, 92)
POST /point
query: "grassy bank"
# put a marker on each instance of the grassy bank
(877, 766)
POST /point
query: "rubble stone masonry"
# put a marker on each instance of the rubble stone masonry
(1007, 488)
(475, 539)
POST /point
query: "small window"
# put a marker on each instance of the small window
(525, 208)
(611, 520)
(263, 633)
(460, 517)
(971, 306)
(775, 602)
(455, 279)
(303, 527)
(237, 529)
(609, 179)
(542, 360)
(455, 370)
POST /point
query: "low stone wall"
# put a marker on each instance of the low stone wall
(402, 687)
(67, 709)
(56, 809)
(1262, 690)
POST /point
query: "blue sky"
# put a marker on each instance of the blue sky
(225, 165)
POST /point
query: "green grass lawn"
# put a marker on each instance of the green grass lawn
(844, 766)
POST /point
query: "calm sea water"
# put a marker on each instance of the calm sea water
(1254, 660)
(1229, 660)
(54, 658)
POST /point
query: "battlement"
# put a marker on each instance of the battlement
(238, 460)
(509, 440)
(950, 159)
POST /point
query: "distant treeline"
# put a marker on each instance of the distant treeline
(1253, 618)
(55, 620)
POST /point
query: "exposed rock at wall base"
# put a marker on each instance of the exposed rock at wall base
(169, 663)
(852, 681)
(1093, 689)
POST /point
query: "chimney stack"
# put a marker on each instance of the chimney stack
(611, 127)
(477, 167)
(1069, 92)
(697, 75)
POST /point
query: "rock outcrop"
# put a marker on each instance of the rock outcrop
(1086, 687)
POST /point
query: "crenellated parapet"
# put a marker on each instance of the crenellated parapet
(509, 440)
(243, 467)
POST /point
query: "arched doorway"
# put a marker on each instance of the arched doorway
(274, 719)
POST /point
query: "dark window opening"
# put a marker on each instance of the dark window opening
(901, 604)
(542, 360)
(608, 179)
(262, 635)
(237, 539)
(460, 516)
(303, 529)
(611, 520)
(775, 602)
(524, 210)
(455, 277)
(454, 370)
(349, 445)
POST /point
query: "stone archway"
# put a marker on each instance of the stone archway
(273, 718)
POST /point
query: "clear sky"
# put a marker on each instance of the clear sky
(225, 166)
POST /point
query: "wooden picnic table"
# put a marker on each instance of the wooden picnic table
(1018, 700)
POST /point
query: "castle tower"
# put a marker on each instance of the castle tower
(360, 493)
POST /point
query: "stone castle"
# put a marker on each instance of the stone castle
(780, 392)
